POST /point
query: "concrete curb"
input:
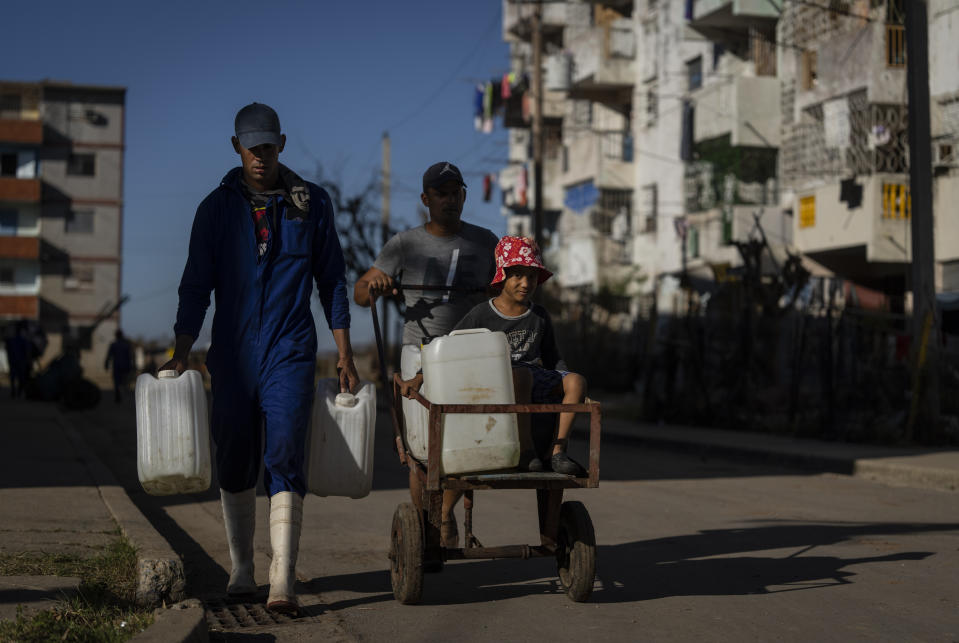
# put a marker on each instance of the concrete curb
(184, 622)
(904, 467)
(160, 575)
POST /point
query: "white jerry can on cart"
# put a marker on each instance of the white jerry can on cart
(340, 453)
(468, 366)
(173, 433)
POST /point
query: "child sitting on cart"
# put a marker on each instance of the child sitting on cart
(539, 372)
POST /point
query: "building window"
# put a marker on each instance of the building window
(6, 277)
(692, 241)
(652, 105)
(896, 201)
(650, 207)
(10, 106)
(582, 113)
(895, 46)
(946, 152)
(694, 72)
(8, 164)
(807, 211)
(809, 71)
(9, 221)
(81, 165)
(80, 278)
(79, 222)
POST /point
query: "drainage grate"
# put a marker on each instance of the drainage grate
(228, 615)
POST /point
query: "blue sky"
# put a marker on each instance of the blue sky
(338, 73)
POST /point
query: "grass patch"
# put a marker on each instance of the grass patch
(104, 610)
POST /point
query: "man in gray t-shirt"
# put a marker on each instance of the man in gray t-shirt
(463, 260)
(445, 251)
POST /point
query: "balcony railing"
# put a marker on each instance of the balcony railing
(24, 190)
(14, 130)
(19, 247)
(896, 201)
(19, 306)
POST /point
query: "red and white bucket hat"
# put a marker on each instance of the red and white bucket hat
(518, 251)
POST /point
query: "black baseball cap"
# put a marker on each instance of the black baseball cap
(257, 124)
(440, 173)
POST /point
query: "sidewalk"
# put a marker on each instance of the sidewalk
(57, 497)
(924, 467)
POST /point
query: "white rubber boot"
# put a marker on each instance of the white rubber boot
(239, 516)
(286, 518)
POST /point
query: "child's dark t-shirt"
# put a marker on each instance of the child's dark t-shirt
(530, 335)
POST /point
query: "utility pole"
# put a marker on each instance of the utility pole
(924, 414)
(538, 142)
(385, 233)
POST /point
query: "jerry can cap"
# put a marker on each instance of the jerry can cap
(345, 399)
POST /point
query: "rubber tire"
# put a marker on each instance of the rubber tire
(576, 551)
(406, 555)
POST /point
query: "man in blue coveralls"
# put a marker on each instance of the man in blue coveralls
(259, 240)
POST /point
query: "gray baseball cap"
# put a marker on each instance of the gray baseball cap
(257, 124)
(439, 173)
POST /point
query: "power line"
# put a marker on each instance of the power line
(452, 77)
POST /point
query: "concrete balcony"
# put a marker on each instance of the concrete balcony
(861, 243)
(518, 20)
(605, 158)
(871, 61)
(19, 247)
(17, 306)
(745, 107)
(736, 15)
(604, 60)
(20, 190)
(21, 131)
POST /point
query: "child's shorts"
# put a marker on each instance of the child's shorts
(544, 384)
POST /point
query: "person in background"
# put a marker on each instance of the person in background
(19, 358)
(259, 242)
(445, 251)
(120, 354)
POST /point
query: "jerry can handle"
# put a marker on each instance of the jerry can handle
(170, 373)
(469, 331)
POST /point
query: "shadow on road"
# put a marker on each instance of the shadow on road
(664, 567)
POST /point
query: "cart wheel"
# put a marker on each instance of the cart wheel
(576, 551)
(406, 555)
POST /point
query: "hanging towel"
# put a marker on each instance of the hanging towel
(478, 108)
(521, 187)
(488, 101)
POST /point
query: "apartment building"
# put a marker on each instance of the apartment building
(61, 212)
(589, 69)
(677, 128)
(844, 166)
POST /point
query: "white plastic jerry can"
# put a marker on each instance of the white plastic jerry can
(173, 433)
(470, 366)
(340, 455)
(415, 416)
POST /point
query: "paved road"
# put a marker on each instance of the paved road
(687, 548)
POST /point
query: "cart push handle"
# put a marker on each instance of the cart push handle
(400, 441)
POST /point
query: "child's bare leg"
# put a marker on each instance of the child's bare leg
(523, 391)
(449, 534)
(574, 392)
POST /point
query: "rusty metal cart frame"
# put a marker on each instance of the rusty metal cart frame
(566, 530)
